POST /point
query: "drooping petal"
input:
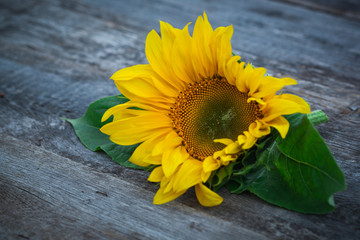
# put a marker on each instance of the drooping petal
(143, 151)
(259, 101)
(156, 175)
(218, 154)
(188, 175)
(281, 124)
(153, 160)
(300, 101)
(206, 197)
(259, 129)
(225, 141)
(168, 141)
(205, 176)
(210, 164)
(169, 186)
(233, 148)
(161, 197)
(225, 159)
(172, 158)
(119, 111)
(246, 140)
(283, 105)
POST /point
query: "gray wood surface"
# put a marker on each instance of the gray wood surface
(56, 58)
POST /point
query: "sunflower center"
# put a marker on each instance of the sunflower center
(211, 109)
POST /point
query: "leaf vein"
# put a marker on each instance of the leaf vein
(310, 165)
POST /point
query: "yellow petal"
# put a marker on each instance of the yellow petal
(270, 85)
(228, 158)
(164, 182)
(137, 71)
(168, 35)
(161, 197)
(122, 111)
(217, 154)
(210, 164)
(240, 79)
(153, 160)
(205, 176)
(244, 77)
(222, 44)
(188, 175)
(283, 105)
(145, 73)
(162, 145)
(202, 58)
(169, 186)
(225, 141)
(139, 81)
(172, 158)
(232, 69)
(155, 54)
(300, 101)
(146, 121)
(137, 129)
(233, 148)
(247, 140)
(119, 110)
(156, 175)
(144, 150)
(182, 57)
(259, 129)
(206, 197)
(281, 124)
(253, 83)
(138, 89)
(259, 101)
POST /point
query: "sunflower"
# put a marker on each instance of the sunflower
(195, 108)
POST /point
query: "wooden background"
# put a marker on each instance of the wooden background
(56, 58)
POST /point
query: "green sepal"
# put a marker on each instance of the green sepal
(87, 128)
(221, 176)
(298, 173)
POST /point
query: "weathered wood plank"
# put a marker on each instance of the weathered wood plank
(56, 57)
(346, 8)
(59, 198)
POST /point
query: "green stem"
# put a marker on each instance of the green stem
(317, 117)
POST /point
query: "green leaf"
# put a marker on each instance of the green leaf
(220, 177)
(87, 128)
(298, 172)
(239, 183)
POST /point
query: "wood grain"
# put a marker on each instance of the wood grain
(345, 8)
(89, 204)
(56, 58)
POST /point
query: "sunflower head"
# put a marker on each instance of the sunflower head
(195, 107)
